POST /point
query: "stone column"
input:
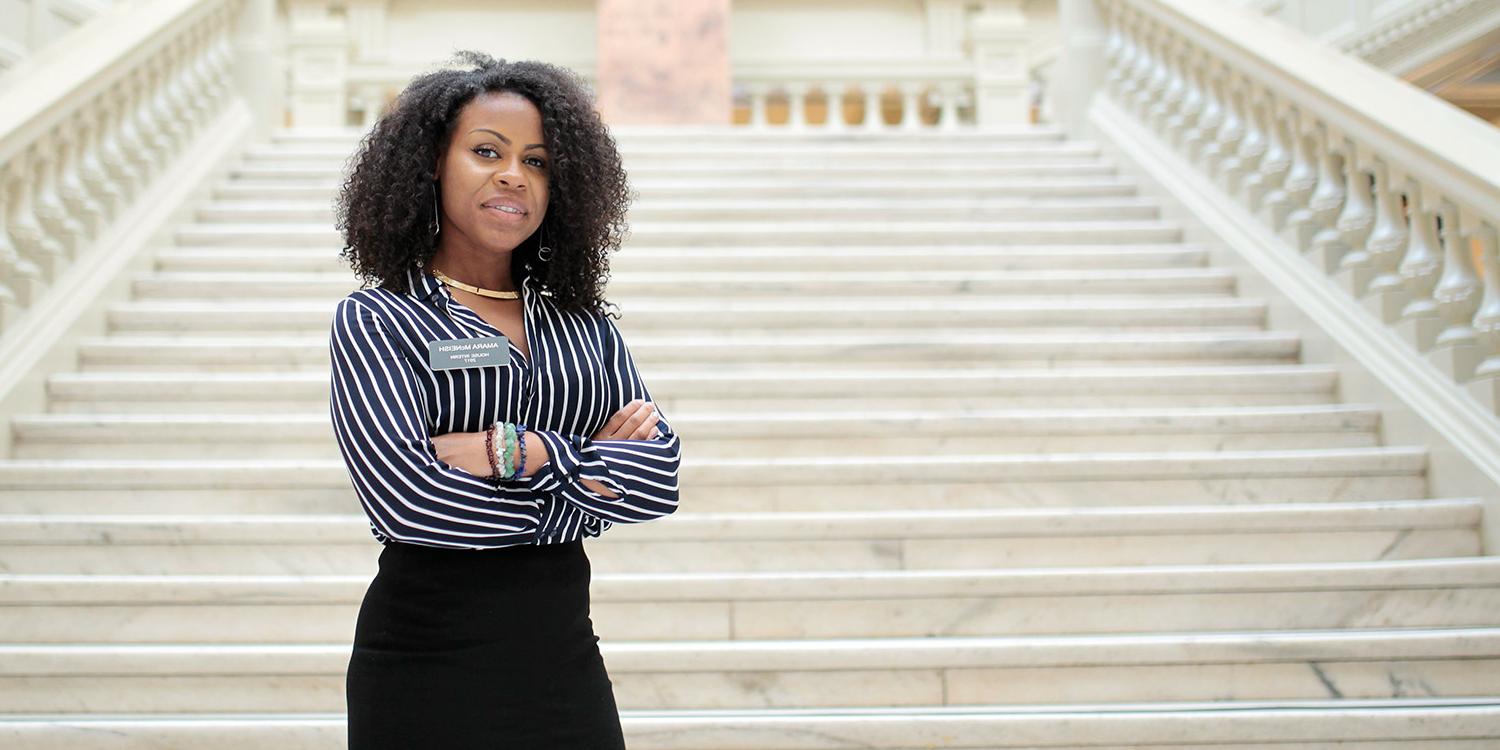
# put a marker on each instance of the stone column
(664, 62)
(259, 72)
(999, 34)
(1080, 69)
(319, 55)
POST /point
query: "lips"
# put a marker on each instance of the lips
(496, 203)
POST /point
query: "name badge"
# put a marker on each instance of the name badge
(452, 354)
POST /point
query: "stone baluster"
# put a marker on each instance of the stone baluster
(948, 94)
(1254, 144)
(1276, 162)
(178, 110)
(1289, 203)
(1325, 243)
(102, 182)
(1130, 53)
(121, 173)
(55, 218)
(911, 106)
(1249, 144)
(1114, 49)
(132, 141)
(153, 152)
(25, 228)
(221, 57)
(1183, 129)
(370, 101)
(200, 77)
(758, 92)
(1486, 319)
(1201, 142)
(1387, 244)
(1166, 107)
(836, 94)
(76, 196)
(164, 126)
(796, 104)
(874, 91)
(1357, 219)
(20, 279)
(1420, 266)
(1457, 294)
(1158, 79)
(1226, 168)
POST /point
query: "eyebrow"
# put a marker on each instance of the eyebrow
(505, 140)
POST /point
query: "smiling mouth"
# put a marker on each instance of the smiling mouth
(508, 214)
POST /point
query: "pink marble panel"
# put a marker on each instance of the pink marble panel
(664, 62)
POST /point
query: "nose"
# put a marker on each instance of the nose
(510, 173)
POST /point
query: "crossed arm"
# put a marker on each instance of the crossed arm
(466, 450)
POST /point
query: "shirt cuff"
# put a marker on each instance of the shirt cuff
(571, 457)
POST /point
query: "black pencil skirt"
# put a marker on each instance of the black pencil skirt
(492, 649)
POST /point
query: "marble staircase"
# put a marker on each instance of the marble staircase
(982, 454)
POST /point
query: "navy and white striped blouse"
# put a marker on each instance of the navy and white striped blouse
(387, 402)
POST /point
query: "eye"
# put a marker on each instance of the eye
(540, 162)
(485, 148)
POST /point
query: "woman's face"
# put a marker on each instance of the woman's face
(495, 161)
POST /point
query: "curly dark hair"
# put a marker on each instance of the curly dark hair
(384, 207)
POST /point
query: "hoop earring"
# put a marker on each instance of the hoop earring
(542, 251)
(435, 225)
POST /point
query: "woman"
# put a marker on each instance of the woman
(489, 412)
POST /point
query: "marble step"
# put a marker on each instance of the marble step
(739, 234)
(779, 484)
(990, 186)
(734, 433)
(275, 259)
(741, 286)
(1349, 724)
(788, 155)
(1429, 593)
(768, 474)
(764, 210)
(844, 350)
(811, 673)
(808, 164)
(697, 541)
(627, 136)
(705, 314)
(689, 389)
(915, 176)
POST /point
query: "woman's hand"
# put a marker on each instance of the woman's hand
(634, 421)
(463, 450)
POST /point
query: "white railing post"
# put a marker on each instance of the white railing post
(796, 103)
(1487, 317)
(873, 91)
(758, 93)
(1458, 292)
(1419, 269)
(836, 94)
(318, 49)
(999, 35)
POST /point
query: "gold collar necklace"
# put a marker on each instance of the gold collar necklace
(491, 293)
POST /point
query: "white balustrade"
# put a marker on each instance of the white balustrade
(75, 153)
(1392, 210)
(951, 94)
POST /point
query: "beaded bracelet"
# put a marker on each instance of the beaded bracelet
(510, 444)
(521, 438)
(489, 450)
